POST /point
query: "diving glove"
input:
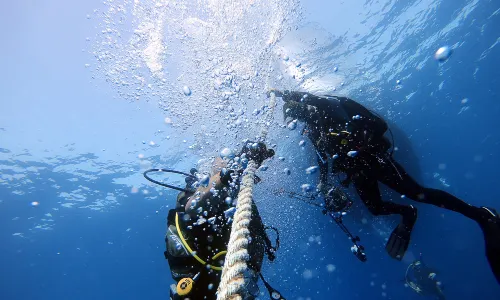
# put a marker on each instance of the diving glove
(257, 152)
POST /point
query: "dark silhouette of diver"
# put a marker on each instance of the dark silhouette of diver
(198, 229)
(353, 137)
(422, 279)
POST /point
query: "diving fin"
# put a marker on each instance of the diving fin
(491, 231)
(400, 238)
(398, 242)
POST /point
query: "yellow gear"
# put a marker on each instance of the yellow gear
(343, 133)
(184, 286)
(201, 261)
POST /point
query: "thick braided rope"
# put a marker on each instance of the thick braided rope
(236, 274)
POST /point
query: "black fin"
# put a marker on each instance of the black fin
(491, 231)
(398, 242)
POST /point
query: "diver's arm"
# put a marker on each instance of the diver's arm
(205, 193)
(217, 189)
(295, 96)
(215, 182)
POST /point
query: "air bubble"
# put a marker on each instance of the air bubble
(186, 90)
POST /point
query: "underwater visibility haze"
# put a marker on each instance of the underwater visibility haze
(94, 93)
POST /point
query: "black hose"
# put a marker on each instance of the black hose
(277, 244)
(273, 293)
(168, 185)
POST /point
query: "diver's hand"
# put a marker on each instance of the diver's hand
(276, 92)
(257, 152)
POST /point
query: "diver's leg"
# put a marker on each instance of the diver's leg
(394, 176)
(369, 192)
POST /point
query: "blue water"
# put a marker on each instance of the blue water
(69, 141)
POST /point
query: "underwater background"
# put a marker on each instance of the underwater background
(96, 92)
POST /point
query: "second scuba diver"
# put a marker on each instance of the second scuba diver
(353, 137)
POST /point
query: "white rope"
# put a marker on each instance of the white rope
(236, 275)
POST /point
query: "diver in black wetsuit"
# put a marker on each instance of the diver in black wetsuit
(198, 229)
(353, 137)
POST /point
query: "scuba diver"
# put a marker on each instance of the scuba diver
(422, 279)
(199, 227)
(353, 137)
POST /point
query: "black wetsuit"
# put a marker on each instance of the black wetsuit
(327, 117)
(207, 232)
